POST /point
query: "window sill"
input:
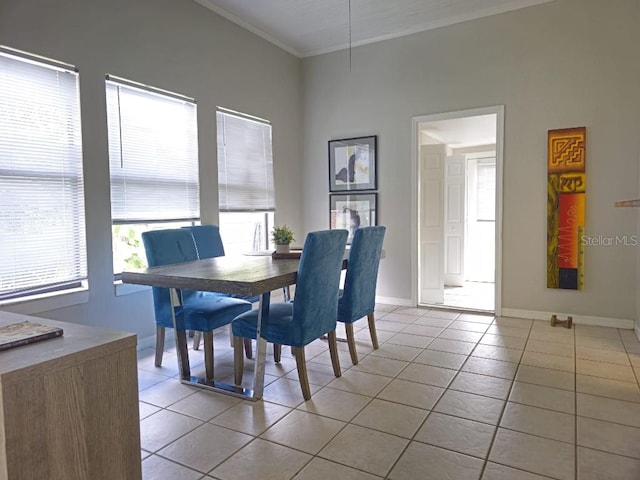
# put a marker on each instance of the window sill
(121, 289)
(47, 301)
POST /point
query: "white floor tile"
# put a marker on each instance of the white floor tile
(458, 434)
(365, 449)
(293, 431)
(430, 403)
(534, 454)
(391, 417)
(263, 460)
(194, 448)
(427, 462)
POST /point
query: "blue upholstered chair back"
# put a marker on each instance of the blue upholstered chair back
(209, 245)
(359, 294)
(165, 247)
(316, 298)
(208, 240)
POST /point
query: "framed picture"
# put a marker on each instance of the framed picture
(352, 164)
(352, 211)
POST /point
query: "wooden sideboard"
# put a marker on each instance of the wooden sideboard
(69, 406)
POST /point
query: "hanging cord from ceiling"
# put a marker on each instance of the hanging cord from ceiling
(349, 35)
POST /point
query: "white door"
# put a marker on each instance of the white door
(431, 250)
(454, 214)
(427, 228)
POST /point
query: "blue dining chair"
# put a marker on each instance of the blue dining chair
(208, 240)
(358, 297)
(199, 311)
(313, 312)
(209, 245)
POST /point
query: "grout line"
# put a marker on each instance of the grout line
(575, 406)
(633, 370)
(504, 407)
(541, 475)
(430, 411)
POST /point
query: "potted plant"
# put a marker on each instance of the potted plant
(282, 236)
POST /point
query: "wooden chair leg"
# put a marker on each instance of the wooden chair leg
(196, 340)
(184, 354)
(208, 354)
(333, 349)
(277, 352)
(372, 330)
(238, 360)
(248, 349)
(159, 345)
(351, 341)
(301, 364)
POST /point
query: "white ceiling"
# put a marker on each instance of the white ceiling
(310, 27)
(462, 132)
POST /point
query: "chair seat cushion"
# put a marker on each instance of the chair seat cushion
(248, 298)
(276, 330)
(208, 312)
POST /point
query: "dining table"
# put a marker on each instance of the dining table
(243, 275)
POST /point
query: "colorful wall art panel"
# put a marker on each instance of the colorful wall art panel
(565, 208)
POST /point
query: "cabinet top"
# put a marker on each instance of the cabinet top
(79, 343)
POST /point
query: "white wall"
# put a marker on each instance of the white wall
(179, 46)
(562, 64)
(637, 317)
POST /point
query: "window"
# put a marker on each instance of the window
(42, 239)
(153, 162)
(486, 185)
(245, 181)
(243, 232)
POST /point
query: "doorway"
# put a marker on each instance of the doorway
(458, 208)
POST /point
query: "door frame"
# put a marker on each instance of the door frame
(497, 110)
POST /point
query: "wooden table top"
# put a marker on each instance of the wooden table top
(238, 275)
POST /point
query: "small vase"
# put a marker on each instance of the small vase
(282, 248)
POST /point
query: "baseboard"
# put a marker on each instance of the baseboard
(577, 319)
(637, 329)
(400, 302)
(150, 342)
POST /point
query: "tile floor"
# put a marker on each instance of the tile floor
(447, 396)
(472, 295)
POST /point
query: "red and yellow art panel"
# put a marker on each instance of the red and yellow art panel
(566, 186)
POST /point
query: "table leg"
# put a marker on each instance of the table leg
(261, 347)
(234, 390)
(180, 338)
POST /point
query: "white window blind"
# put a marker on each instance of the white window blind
(153, 155)
(245, 163)
(42, 239)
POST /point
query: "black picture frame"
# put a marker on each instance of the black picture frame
(351, 211)
(352, 164)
